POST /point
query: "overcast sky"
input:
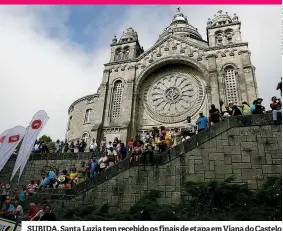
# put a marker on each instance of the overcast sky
(50, 56)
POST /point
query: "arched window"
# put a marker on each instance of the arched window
(87, 115)
(219, 38)
(231, 86)
(69, 124)
(126, 52)
(117, 98)
(118, 54)
(85, 137)
(229, 35)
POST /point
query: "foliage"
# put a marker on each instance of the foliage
(203, 201)
(45, 139)
(48, 141)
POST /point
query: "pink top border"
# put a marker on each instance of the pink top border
(141, 2)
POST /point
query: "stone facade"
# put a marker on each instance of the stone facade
(180, 75)
(247, 147)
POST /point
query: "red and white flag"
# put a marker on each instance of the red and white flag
(20, 154)
(3, 136)
(36, 125)
(13, 138)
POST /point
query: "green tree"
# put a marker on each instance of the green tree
(46, 139)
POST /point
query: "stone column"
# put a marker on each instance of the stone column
(211, 38)
(241, 87)
(127, 98)
(222, 87)
(213, 80)
(249, 77)
(237, 35)
(100, 114)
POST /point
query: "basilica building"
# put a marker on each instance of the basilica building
(179, 76)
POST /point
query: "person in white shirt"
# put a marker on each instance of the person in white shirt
(189, 130)
(109, 145)
(102, 162)
(92, 146)
(176, 135)
(36, 148)
(18, 211)
(112, 156)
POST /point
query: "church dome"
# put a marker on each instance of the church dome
(221, 18)
(181, 27)
(129, 35)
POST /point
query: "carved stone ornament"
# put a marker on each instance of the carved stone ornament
(173, 94)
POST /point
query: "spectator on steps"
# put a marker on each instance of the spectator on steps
(48, 215)
(73, 176)
(82, 146)
(40, 213)
(92, 146)
(32, 211)
(103, 161)
(235, 109)
(275, 107)
(202, 122)
(93, 168)
(257, 107)
(246, 109)
(82, 173)
(214, 115)
(7, 208)
(22, 196)
(66, 147)
(103, 145)
(57, 146)
(31, 188)
(189, 130)
(123, 152)
(18, 211)
(112, 156)
(77, 146)
(72, 147)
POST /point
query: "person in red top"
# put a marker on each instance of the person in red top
(31, 212)
(131, 144)
(163, 131)
(137, 150)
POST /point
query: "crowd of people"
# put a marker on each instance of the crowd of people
(109, 153)
(137, 149)
(160, 139)
(11, 208)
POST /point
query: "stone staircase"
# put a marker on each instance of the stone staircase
(161, 159)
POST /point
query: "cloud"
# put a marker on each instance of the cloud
(39, 70)
(43, 67)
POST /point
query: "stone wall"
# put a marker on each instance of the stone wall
(247, 147)
(251, 154)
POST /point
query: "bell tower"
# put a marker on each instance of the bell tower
(223, 30)
(127, 48)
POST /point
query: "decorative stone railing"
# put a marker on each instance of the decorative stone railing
(160, 159)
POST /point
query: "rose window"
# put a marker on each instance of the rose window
(172, 95)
